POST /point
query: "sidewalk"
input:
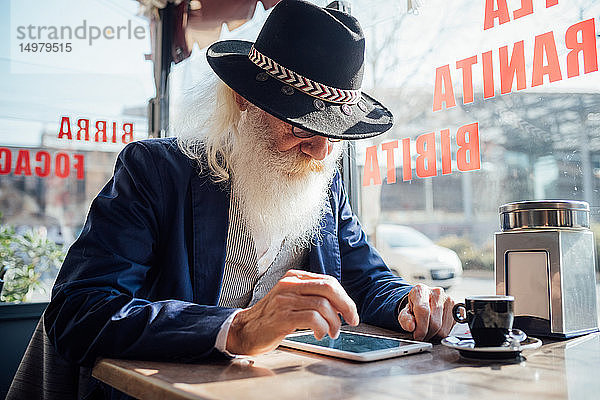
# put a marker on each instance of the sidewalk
(478, 274)
(489, 274)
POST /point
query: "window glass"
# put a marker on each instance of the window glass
(74, 89)
(492, 105)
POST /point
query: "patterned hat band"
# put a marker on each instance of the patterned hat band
(308, 86)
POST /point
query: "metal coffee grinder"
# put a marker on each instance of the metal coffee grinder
(545, 258)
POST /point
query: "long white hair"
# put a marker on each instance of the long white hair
(205, 124)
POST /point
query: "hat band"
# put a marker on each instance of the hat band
(308, 86)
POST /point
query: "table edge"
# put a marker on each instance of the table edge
(146, 387)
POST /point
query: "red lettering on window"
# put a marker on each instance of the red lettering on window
(406, 160)
(446, 154)
(98, 130)
(488, 75)
(526, 9)
(79, 165)
(84, 127)
(544, 44)
(391, 165)
(491, 13)
(43, 171)
(371, 171)
(426, 162)
(128, 133)
(23, 165)
(443, 92)
(467, 155)
(65, 128)
(101, 135)
(512, 69)
(62, 165)
(467, 74)
(114, 132)
(587, 46)
(6, 155)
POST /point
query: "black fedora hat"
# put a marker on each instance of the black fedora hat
(305, 68)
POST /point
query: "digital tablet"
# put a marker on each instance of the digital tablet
(355, 346)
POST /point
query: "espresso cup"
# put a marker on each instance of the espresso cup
(490, 320)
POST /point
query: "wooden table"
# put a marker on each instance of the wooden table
(557, 370)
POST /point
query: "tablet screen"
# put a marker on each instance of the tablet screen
(351, 342)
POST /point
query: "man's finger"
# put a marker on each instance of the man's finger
(308, 319)
(448, 318)
(323, 307)
(406, 319)
(418, 299)
(436, 307)
(301, 274)
(324, 286)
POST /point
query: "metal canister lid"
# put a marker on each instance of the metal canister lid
(542, 214)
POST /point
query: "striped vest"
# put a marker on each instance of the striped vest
(243, 285)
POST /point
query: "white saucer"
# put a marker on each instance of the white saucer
(467, 348)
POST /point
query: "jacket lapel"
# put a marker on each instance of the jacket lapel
(324, 255)
(210, 208)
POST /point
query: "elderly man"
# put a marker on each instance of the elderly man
(224, 242)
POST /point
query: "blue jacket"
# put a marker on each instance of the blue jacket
(143, 279)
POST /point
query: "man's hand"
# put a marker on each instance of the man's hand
(300, 300)
(428, 313)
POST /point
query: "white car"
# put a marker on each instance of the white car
(413, 256)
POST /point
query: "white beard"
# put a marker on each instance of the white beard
(282, 195)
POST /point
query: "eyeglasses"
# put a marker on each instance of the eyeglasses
(302, 134)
